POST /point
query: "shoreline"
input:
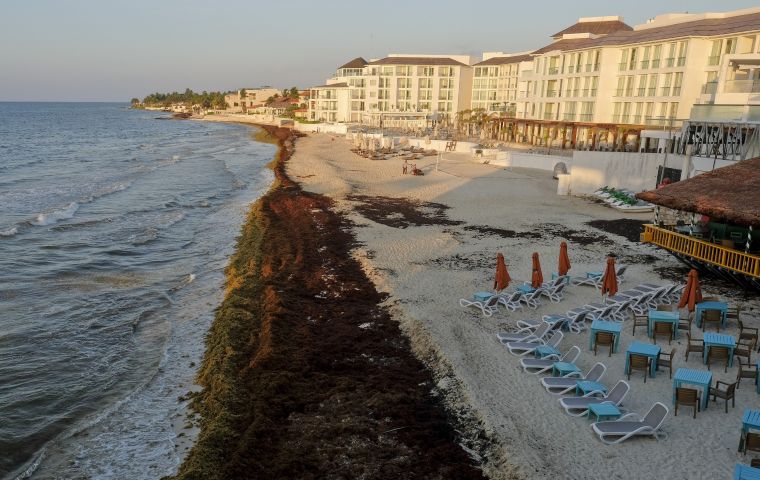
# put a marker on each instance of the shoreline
(304, 367)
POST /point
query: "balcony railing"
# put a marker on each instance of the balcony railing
(553, 70)
(569, 117)
(618, 92)
(710, 88)
(551, 93)
(707, 252)
(571, 69)
(586, 117)
(741, 86)
(593, 92)
(548, 115)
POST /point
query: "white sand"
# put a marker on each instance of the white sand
(426, 269)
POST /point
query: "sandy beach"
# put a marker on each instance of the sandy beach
(429, 240)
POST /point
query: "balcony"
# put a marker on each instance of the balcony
(586, 117)
(551, 93)
(571, 69)
(641, 92)
(709, 253)
(656, 63)
(553, 70)
(741, 86)
(568, 117)
(669, 62)
(709, 88)
(548, 115)
(618, 92)
(681, 61)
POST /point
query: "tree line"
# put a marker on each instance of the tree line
(188, 97)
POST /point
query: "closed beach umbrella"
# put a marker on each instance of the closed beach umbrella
(692, 292)
(538, 278)
(564, 260)
(609, 281)
(502, 275)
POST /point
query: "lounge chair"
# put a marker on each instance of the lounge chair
(602, 314)
(578, 406)
(525, 335)
(592, 278)
(533, 298)
(524, 348)
(512, 301)
(487, 306)
(555, 293)
(538, 366)
(633, 424)
(575, 323)
(562, 385)
(641, 305)
(620, 311)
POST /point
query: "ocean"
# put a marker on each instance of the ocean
(115, 229)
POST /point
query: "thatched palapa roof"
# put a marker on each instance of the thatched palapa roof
(731, 194)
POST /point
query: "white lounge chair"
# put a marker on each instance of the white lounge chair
(524, 348)
(575, 323)
(602, 313)
(555, 293)
(512, 301)
(538, 366)
(640, 306)
(526, 334)
(533, 298)
(578, 406)
(633, 424)
(620, 310)
(562, 385)
(592, 279)
(488, 306)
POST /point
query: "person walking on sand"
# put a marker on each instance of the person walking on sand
(405, 168)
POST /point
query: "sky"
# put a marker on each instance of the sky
(113, 50)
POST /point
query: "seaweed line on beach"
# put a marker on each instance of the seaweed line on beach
(305, 375)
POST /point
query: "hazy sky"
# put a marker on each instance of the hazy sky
(103, 50)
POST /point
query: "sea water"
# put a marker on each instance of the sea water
(115, 227)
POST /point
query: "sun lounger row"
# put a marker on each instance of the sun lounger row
(516, 300)
(529, 339)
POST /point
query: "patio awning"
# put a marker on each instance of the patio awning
(731, 194)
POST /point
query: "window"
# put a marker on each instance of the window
(425, 71)
(681, 59)
(677, 81)
(444, 106)
(642, 90)
(623, 60)
(625, 118)
(629, 81)
(386, 71)
(665, 90)
(446, 71)
(403, 71)
(714, 58)
(426, 83)
(637, 116)
(384, 83)
(587, 111)
(620, 86)
(673, 110)
(404, 83)
(656, 56)
(730, 45)
(632, 61)
(445, 83)
(649, 111)
(616, 111)
(594, 85)
(645, 57)
(671, 54)
(652, 91)
(569, 108)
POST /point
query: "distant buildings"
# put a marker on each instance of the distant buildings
(249, 98)
(598, 72)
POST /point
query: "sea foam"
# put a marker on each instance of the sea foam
(50, 218)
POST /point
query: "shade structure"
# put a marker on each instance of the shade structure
(502, 279)
(564, 260)
(609, 280)
(537, 278)
(692, 292)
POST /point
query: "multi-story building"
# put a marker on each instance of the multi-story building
(400, 87)
(496, 81)
(249, 98)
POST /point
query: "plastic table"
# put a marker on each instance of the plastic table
(750, 420)
(647, 349)
(604, 411)
(605, 326)
(585, 386)
(543, 351)
(701, 307)
(745, 472)
(693, 377)
(719, 340)
(665, 317)
(560, 369)
(482, 296)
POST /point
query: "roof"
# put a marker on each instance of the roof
(333, 85)
(417, 61)
(727, 193)
(708, 27)
(504, 60)
(283, 103)
(357, 62)
(603, 27)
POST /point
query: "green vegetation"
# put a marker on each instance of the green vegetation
(188, 97)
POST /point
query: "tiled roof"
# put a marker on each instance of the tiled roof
(417, 61)
(357, 62)
(708, 27)
(504, 60)
(595, 28)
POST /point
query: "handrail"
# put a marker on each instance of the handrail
(705, 251)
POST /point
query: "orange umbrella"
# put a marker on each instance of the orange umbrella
(502, 275)
(564, 260)
(609, 281)
(692, 293)
(538, 278)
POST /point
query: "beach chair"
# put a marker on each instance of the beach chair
(632, 424)
(746, 371)
(620, 311)
(562, 385)
(533, 298)
(555, 293)
(602, 314)
(578, 406)
(578, 324)
(620, 273)
(487, 306)
(525, 335)
(512, 301)
(640, 305)
(524, 348)
(560, 280)
(593, 279)
(538, 366)
(667, 294)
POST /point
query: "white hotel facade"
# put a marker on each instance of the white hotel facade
(597, 71)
